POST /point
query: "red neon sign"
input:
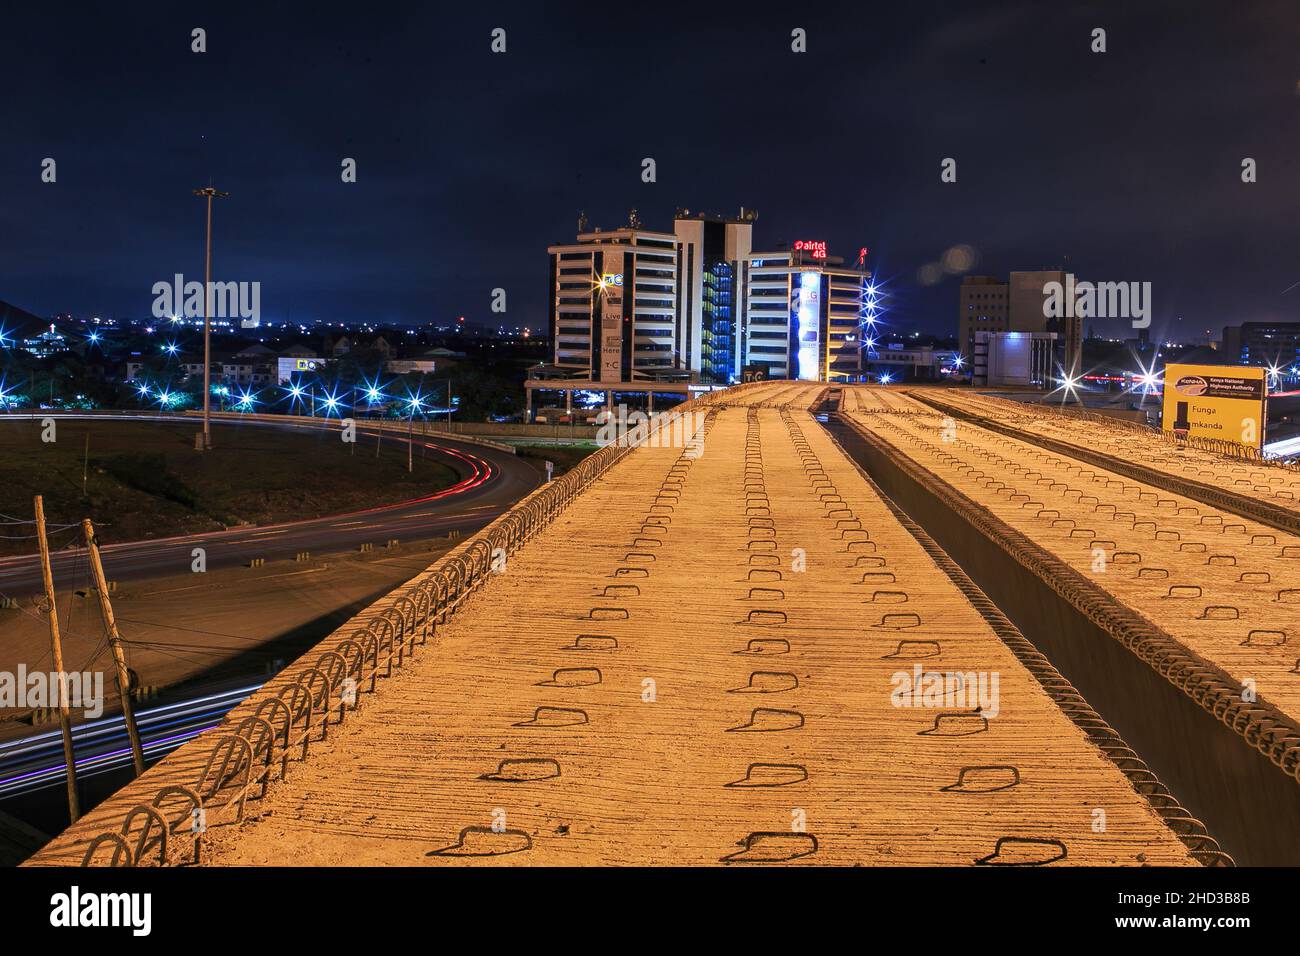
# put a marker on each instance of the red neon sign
(816, 250)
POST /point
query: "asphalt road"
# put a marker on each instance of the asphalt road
(490, 482)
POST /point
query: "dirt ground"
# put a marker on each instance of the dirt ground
(179, 628)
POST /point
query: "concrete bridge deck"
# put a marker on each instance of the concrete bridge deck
(699, 660)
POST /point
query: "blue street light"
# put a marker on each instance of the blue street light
(331, 400)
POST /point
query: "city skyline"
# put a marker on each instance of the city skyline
(493, 155)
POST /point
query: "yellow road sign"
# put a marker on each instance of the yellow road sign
(1226, 402)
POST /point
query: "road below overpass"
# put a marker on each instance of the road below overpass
(490, 481)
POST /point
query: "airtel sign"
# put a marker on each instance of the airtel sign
(816, 250)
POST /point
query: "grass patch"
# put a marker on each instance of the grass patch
(563, 456)
(145, 480)
(147, 473)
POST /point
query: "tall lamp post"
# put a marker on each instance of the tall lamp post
(209, 193)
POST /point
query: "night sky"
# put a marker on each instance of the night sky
(470, 163)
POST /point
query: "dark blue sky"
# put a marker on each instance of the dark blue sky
(1127, 162)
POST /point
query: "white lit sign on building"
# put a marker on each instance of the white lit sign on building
(808, 320)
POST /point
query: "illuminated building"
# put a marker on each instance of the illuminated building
(697, 305)
(987, 304)
(50, 342)
(1271, 344)
(1025, 359)
(806, 315)
(710, 252)
(613, 311)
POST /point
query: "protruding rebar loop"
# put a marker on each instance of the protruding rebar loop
(259, 733)
(334, 666)
(227, 746)
(455, 569)
(353, 656)
(187, 817)
(278, 708)
(388, 642)
(143, 843)
(261, 738)
(121, 850)
(369, 645)
(317, 685)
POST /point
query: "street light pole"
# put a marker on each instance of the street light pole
(209, 193)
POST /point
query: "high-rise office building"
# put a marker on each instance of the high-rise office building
(711, 250)
(614, 305)
(805, 313)
(1271, 344)
(987, 304)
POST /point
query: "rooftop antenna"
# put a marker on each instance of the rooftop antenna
(582, 220)
(633, 221)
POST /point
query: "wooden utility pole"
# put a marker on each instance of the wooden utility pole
(56, 647)
(115, 643)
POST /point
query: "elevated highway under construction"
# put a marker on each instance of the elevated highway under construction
(837, 626)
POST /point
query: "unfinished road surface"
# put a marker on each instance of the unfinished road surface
(734, 652)
(1205, 600)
